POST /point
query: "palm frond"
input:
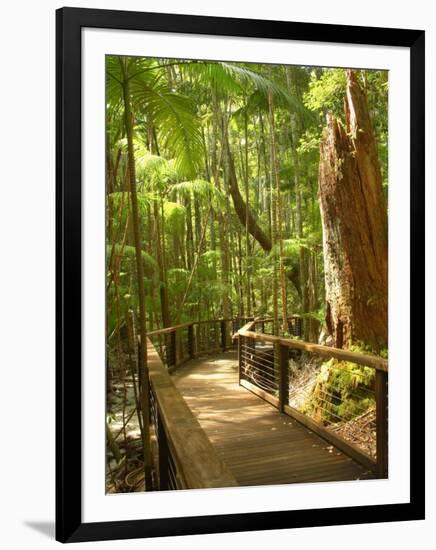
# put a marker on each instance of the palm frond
(202, 189)
(175, 121)
(175, 215)
(129, 252)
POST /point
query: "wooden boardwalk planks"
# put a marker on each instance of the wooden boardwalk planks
(259, 445)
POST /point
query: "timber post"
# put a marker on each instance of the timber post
(173, 347)
(223, 335)
(381, 406)
(191, 342)
(240, 345)
(163, 456)
(283, 366)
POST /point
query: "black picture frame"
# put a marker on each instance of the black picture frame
(69, 525)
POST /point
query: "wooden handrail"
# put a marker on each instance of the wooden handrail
(181, 326)
(183, 438)
(371, 361)
(167, 330)
(173, 340)
(246, 338)
(245, 329)
(271, 319)
(196, 461)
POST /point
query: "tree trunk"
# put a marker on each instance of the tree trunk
(163, 287)
(189, 234)
(245, 214)
(354, 219)
(243, 211)
(222, 219)
(143, 367)
(277, 225)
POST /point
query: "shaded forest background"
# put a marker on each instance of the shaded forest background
(226, 164)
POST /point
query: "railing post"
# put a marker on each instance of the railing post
(173, 340)
(191, 343)
(223, 335)
(240, 359)
(163, 456)
(283, 364)
(138, 362)
(217, 336)
(381, 405)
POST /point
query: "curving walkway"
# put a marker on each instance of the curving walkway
(259, 445)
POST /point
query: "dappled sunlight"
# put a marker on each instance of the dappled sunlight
(208, 376)
(259, 444)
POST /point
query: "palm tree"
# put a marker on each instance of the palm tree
(142, 101)
(134, 90)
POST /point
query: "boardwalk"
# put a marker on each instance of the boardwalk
(259, 445)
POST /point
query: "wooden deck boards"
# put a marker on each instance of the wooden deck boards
(259, 445)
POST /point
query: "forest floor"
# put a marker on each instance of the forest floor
(360, 430)
(125, 475)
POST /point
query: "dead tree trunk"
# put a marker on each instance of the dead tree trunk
(354, 219)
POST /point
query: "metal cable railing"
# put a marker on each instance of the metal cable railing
(343, 399)
(177, 344)
(259, 368)
(340, 395)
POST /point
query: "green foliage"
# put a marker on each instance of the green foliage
(201, 131)
(177, 280)
(152, 170)
(309, 142)
(178, 127)
(210, 257)
(175, 215)
(326, 91)
(200, 188)
(129, 253)
(318, 315)
(361, 347)
(234, 79)
(120, 203)
(154, 101)
(341, 391)
(292, 247)
(181, 112)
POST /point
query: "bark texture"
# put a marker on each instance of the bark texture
(354, 218)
